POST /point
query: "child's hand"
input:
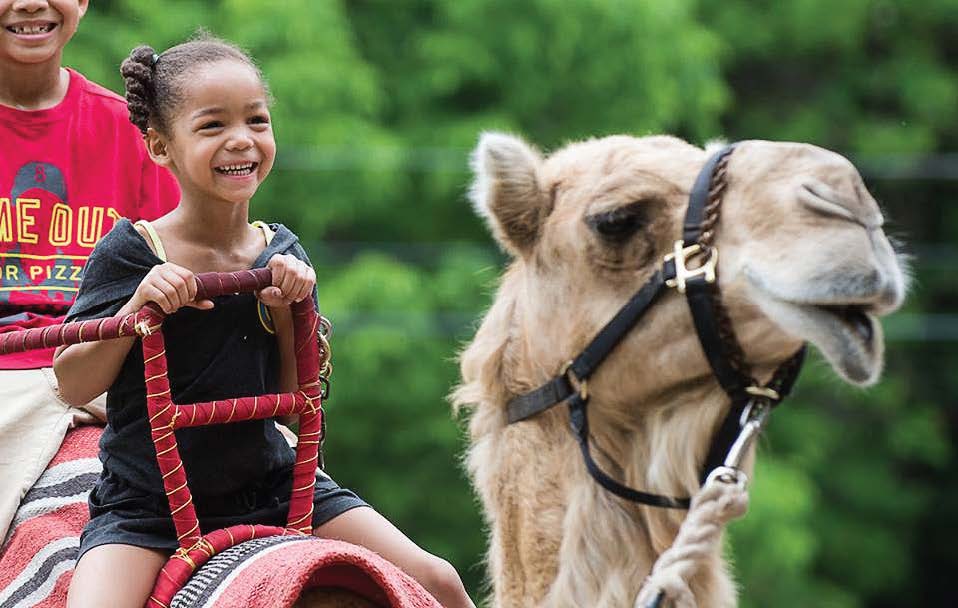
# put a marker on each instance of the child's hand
(293, 280)
(171, 287)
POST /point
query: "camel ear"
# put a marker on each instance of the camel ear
(506, 190)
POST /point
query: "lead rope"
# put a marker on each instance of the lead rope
(723, 498)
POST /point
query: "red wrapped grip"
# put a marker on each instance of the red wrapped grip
(212, 284)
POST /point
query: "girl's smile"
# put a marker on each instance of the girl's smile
(237, 170)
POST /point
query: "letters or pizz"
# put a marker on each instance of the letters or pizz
(59, 238)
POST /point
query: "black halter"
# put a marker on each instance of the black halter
(714, 330)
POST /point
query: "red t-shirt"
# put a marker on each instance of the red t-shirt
(67, 174)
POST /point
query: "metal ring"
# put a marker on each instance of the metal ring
(729, 475)
(579, 386)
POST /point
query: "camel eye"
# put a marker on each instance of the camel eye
(619, 224)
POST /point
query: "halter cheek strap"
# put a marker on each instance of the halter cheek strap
(749, 401)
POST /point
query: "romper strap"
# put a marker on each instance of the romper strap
(261, 309)
(153, 238)
(267, 231)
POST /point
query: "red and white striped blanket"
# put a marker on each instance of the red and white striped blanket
(38, 555)
(36, 561)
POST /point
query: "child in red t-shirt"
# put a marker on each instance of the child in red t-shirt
(71, 165)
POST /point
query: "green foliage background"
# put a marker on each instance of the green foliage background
(377, 106)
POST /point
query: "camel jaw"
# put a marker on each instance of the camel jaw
(848, 335)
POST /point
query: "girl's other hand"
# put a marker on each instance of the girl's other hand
(293, 280)
(171, 287)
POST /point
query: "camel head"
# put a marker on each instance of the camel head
(802, 252)
(802, 258)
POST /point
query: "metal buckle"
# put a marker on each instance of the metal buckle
(682, 254)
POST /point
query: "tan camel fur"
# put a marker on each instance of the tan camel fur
(800, 238)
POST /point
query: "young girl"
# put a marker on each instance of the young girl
(204, 110)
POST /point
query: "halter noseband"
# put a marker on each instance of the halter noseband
(750, 402)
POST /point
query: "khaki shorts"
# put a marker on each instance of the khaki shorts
(33, 421)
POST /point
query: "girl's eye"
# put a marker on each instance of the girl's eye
(213, 124)
(619, 224)
(259, 120)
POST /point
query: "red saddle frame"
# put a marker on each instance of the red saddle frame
(312, 357)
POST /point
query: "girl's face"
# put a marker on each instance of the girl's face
(220, 145)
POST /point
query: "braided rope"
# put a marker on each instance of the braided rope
(724, 497)
(717, 188)
(734, 352)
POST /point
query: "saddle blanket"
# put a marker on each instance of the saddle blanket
(38, 555)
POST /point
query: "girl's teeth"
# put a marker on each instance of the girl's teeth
(236, 169)
(31, 29)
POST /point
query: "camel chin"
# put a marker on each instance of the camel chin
(848, 335)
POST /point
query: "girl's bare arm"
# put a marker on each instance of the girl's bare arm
(86, 370)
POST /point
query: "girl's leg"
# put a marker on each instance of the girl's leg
(115, 576)
(363, 526)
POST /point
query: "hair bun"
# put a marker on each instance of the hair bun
(137, 71)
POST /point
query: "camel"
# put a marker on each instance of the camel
(803, 259)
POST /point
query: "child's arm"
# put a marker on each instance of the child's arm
(86, 370)
(293, 280)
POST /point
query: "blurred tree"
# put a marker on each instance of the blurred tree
(553, 70)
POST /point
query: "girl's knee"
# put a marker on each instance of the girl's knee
(442, 580)
(95, 584)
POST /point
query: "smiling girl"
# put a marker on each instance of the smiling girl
(203, 108)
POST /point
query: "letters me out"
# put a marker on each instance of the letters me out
(67, 226)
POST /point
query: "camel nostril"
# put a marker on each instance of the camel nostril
(819, 190)
(855, 205)
(824, 200)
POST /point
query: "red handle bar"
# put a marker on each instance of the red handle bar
(208, 285)
(212, 284)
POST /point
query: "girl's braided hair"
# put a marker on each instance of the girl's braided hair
(154, 82)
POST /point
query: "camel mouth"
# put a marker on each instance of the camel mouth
(848, 335)
(855, 318)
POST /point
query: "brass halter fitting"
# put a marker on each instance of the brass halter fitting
(682, 254)
(763, 391)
